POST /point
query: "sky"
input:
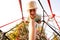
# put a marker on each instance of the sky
(10, 11)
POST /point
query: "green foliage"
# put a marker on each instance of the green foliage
(21, 31)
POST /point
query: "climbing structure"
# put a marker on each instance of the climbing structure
(20, 31)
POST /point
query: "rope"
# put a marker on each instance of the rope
(50, 15)
(57, 23)
(20, 2)
(17, 19)
(47, 23)
(50, 6)
(9, 23)
(53, 15)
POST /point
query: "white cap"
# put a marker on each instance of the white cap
(32, 5)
